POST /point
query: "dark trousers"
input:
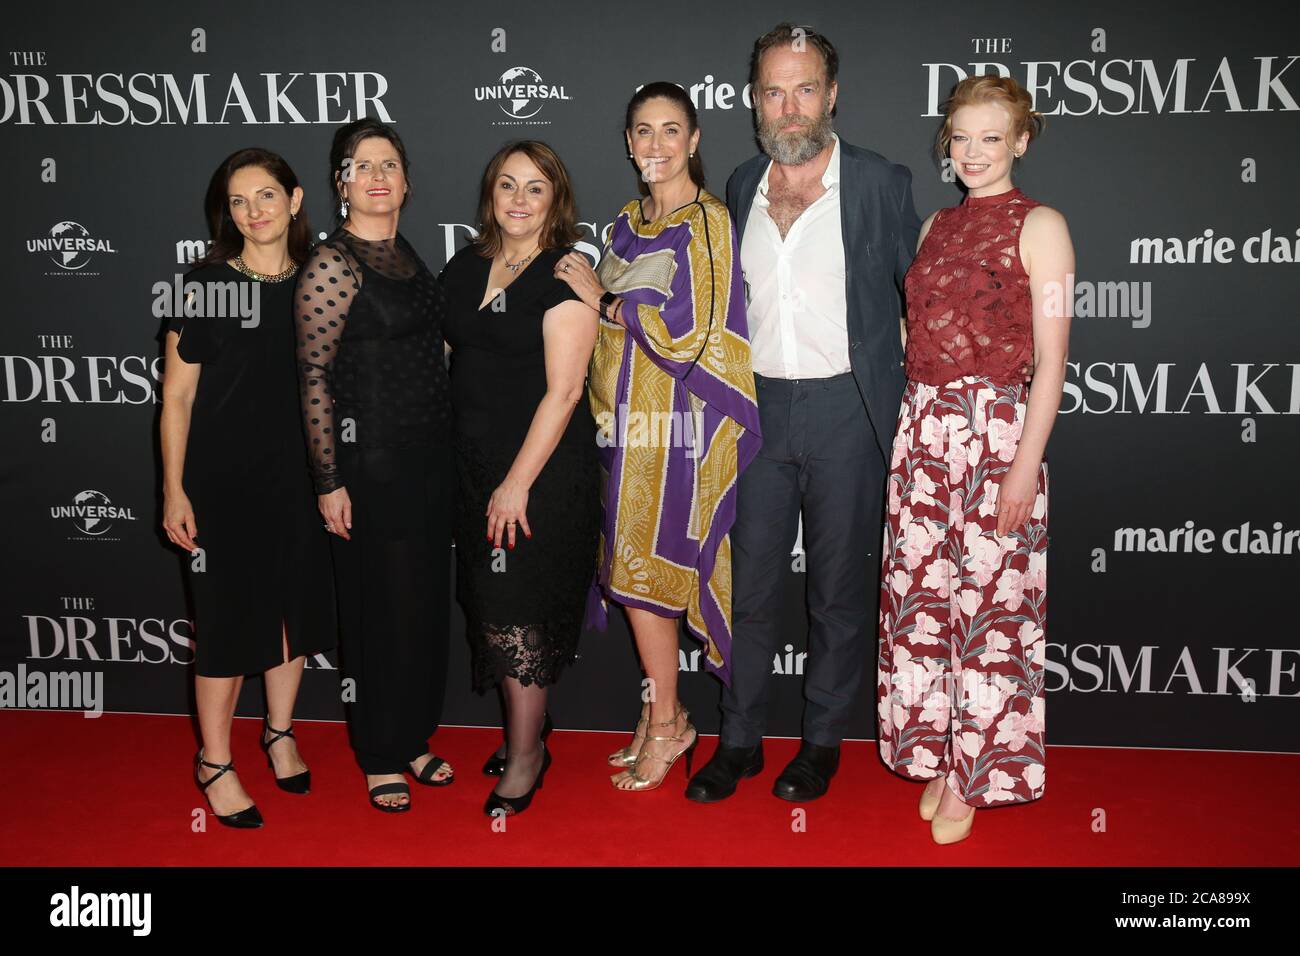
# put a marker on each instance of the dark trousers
(820, 455)
(394, 601)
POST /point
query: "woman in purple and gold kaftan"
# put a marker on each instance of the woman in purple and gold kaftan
(674, 402)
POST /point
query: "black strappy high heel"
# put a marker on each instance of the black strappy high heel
(250, 818)
(300, 782)
(496, 766)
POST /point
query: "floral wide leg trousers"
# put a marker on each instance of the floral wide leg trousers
(962, 611)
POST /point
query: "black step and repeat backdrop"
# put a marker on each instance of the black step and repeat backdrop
(1170, 149)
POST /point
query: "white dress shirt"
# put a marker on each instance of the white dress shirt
(796, 304)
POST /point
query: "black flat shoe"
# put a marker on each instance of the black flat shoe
(496, 766)
(300, 782)
(513, 806)
(249, 818)
(808, 775)
(425, 776)
(383, 789)
(718, 778)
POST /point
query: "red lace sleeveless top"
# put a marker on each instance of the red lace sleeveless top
(969, 308)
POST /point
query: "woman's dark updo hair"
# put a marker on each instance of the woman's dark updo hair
(673, 92)
(227, 240)
(346, 138)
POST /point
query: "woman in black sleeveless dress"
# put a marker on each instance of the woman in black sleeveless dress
(375, 406)
(527, 520)
(236, 492)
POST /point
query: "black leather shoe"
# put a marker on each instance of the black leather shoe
(511, 806)
(808, 775)
(718, 778)
(496, 766)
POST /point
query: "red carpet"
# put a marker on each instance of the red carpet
(116, 791)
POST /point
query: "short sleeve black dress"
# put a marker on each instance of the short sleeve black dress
(523, 622)
(265, 568)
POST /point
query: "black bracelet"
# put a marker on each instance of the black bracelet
(606, 301)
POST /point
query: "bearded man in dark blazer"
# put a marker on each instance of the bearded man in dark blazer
(827, 231)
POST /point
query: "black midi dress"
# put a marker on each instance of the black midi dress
(523, 607)
(264, 572)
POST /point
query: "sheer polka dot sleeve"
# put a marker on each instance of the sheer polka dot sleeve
(327, 286)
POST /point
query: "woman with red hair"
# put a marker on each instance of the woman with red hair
(964, 579)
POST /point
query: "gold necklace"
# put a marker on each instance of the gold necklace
(240, 266)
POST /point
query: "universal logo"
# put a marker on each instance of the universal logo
(92, 514)
(521, 93)
(70, 246)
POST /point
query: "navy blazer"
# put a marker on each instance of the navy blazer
(880, 227)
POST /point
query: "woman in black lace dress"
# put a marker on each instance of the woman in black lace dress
(378, 421)
(527, 519)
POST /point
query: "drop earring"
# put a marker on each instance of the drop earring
(343, 209)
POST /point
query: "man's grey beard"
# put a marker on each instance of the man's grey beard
(797, 147)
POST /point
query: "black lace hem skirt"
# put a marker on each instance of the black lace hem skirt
(524, 607)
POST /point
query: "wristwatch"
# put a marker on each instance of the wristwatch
(606, 301)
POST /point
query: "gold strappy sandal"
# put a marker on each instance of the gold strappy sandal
(626, 756)
(644, 783)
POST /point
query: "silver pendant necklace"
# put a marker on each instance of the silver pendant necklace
(516, 266)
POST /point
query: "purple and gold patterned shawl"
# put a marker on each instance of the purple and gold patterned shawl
(673, 397)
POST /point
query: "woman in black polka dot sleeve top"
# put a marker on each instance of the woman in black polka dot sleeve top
(377, 417)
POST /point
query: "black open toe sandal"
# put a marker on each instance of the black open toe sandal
(425, 776)
(384, 789)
